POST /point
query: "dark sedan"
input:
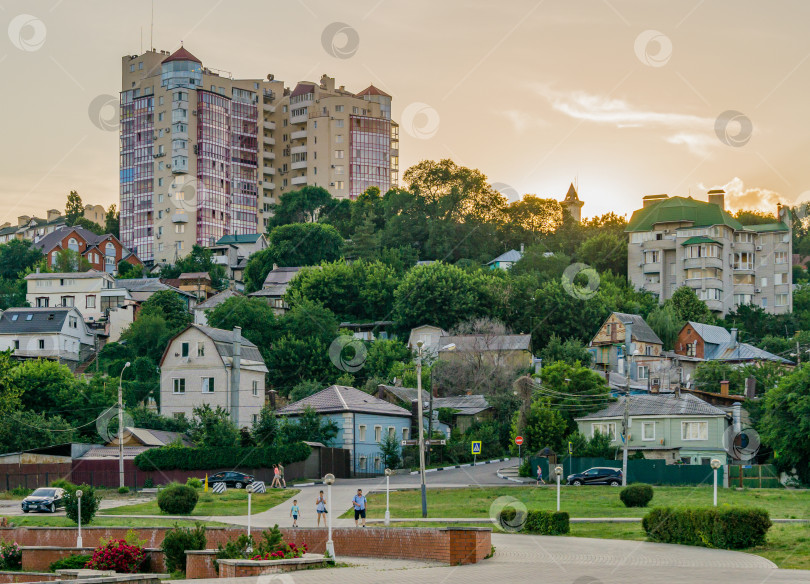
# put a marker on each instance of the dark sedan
(45, 499)
(600, 475)
(232, 479)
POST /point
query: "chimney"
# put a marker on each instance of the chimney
(733, 338)
(380, 391)
(275, 266)
(650, 199)
(271, 395)
(724, 388)
(236, 367)
(750, 387)
(718, 197)
(22, 220)
(521, 249)
(53, 214)
(736, 417)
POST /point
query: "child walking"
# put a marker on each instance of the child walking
(295, 511)
(320, 507)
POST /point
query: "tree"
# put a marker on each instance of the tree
(305, 244)
(17, 256)
(381, 356)
(68, 260)
(170, 306)
(91, 226)
(305, 389)
(258, 266)
(255, 316)
(201, 259)
(389, 447)
(212, 428)
(545, 426)
(570, 351)
(307, 426)
(25, 429)
(13, 293)
(42, 382)
(709, 374)
(128, 270)
(147, 336)
(689, 307)
(301, 206)
(605, 251)
(74, 209)
(112, 221)
(366, 240)
(574, 390)
(665, 322)
(785, 423)
(265, 430)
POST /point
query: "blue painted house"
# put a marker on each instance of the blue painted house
(363, 421)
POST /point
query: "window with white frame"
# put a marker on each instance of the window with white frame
(643, 371)
(604, 428)
(363, 460)
(201, 348)
(208, 385)
(743, 298)
(361, 433)
(255, 388)
(377, 433)
(743, 260)
(648, 430)
(392, 432)
(694, 430)
(779, 279)
(780, 257)
(652, 257)
(406, 433)
(179, 385)
(781, 300)
(744, 237)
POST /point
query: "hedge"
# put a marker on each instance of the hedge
(731, 528)
(539, 522)
(637, 495)
(173, 457)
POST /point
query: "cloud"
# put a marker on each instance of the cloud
(523, 121)
(738, 196)
(694, 132)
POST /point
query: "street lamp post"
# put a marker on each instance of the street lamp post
(249, 494)
(121, 428)
(79, 499)
(558, 470)
(626, 418)
(329, 479)
(388, 473)
(715, 466)
(420, 425)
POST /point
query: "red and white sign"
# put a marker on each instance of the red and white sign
(519, 440)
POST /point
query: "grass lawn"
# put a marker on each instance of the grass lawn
(593, 501)
(231, 502)
(45, 520)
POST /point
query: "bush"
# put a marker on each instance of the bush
(271, 543)
(177, 499)
(180, 539)
(90, 503)
(525, 469)
(148, 483)
(194, 483)
(123, 490)
(539, 522)
(76, 562)
(732, 528)
(172, 457)
(21, 492)
(10, 556)
(63, 484)
(117, 555)
(637, 495)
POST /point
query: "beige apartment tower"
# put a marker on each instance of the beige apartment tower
(204, 155)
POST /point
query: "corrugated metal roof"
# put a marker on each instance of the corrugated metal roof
(281, 275)
(680, 209)
(766, 227)
(69, 275)
(217, 299)
(341, 398)
(487, 342)
(641, 331)
(745, 352)
(700, 239)
(710, 333)
(512, 255)
(658, 405)
(241, 238)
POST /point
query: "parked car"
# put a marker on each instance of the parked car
(232, 479)
(44, 499)
(599, 475)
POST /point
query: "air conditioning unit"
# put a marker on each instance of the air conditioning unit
(757, 290)
(158, 236)
(759, 248)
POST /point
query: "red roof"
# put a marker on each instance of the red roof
(303, 89)
(371, 90)
(181, 54)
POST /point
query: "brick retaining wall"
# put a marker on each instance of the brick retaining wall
(14, 577)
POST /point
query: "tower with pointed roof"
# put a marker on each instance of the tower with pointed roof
(572, 203)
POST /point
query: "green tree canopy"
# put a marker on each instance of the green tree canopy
(17, 256)
(74, 209)
(689, 307)
(301, 206)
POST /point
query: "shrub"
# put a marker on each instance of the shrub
(270, 543)
(289, 551)
(90, 502)
(21, 492)
(525, 469)
(732, 528)
(637, 495)
(75, 562)
(117, 555)
(63, 484)
(180, 539)
(172, 457)
(123, 490)
(539, 522)
(194, 482)
(10, 556)
(177, 499)
(148, 483)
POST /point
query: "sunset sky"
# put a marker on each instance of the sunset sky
(630, 98)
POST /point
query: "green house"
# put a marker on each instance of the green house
(678, 428)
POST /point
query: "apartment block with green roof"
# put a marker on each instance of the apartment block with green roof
(679, 241)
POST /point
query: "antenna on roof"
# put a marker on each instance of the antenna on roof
(152, 29)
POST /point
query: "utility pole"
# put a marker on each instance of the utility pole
(430, 419)
(798, 354)
(121, 428)
(420, 425)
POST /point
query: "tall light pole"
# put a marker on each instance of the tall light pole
(79, 502)
(558, 470)
(626, 418)
(249, 493)
(330, 545)
(121, 428)
(420, 425)
(716, 465)
(388, 473)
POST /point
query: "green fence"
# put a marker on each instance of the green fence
(753, 476)
(654, 472)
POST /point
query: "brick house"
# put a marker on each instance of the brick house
(103, 252)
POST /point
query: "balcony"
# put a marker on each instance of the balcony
(267, 124)
(299, 180)
(269, 186)
(301, 164)
(180, 217)
(269, 140)
(702, 263)
(651, 268)
(298, 135)
(298, 149)
(714, 305)
(268, 155)
(268, 107)
(299, 119)
(268, 169)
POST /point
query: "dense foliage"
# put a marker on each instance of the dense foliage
(117, 555)
(171, 457)
(178, 540)
(177, 499)
(637, 495)
(730, 528)
(90, 502)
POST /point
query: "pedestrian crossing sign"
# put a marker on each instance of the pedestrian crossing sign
(476, 447)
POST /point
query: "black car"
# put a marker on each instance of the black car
(44, 499)
(599, 475)
(232, 479)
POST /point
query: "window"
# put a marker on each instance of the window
(744, 237)
(208, 385)
(780, 257)
(73, 322)
(41, 343)
(648, 350)
(109, 249)
(779, 279)
(179, 415)
(339, 185)
(255, 388)
(184, 349)
(743, 298)
(392, 432)
(710, 250)
(764, 303)
(339, 139)
(361, 433)
(180, 228)
(781, 300)
(338, 123)
(710, 294)
(744, 279)
(179, 385)
(255, 419)
(67, 301)
(609, 329)
(363, 460)
(406, 433)
(648, 430)
(652, 257)
(201, 348)
(604, 428)
(743, 260)
(73, 244)
(338, 108)
(42, 302)
(694, 430)
(16, 344)
(643, 371)
(377, 433)
(339, 154)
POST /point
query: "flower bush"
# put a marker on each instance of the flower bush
(10, 556)
(290, 551)
(117, 555)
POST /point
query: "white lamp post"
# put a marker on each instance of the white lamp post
(716, 464)
(329, 479)
(79, 499)
(388, 473)
(249, 494)
(420, 425)
(121, 428)
(558, 470)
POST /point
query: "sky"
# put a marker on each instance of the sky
(626, 98)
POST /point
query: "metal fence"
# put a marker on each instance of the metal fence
(654, 472)
(753, 476)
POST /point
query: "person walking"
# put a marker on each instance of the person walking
(276, 480)
(540, 475)
(281, 476)
(359, 502)
(320, 508)
(295, 511)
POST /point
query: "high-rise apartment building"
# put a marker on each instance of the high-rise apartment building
(204, 155)
(677, 241)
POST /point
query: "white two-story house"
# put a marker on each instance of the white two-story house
(46, 333)
(91, 292)
(205, 365)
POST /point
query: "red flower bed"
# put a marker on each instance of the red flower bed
(290, 551)
(117, 555)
